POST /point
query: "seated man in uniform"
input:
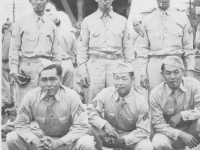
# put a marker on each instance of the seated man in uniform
(125, 123)
(175, 107)
(59, 112)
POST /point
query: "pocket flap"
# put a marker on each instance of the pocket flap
(40, 120)
(118, 33)
(64, 119)
(110, 115)
(95, 33)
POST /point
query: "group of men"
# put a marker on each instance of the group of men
(110, 60)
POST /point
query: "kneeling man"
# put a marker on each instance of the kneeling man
(59, 112)
(175, 106)
(119, 116)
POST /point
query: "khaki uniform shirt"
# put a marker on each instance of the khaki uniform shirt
(197, 39)
(166, 33)
(130, 116)
(6, 43)
(64, 117)
(104, 34)
(68, 43)
(165, 103)
(135, 39)
(33, 37)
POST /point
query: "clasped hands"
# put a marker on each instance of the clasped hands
(112, 137)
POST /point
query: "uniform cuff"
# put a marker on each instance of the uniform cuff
(29, 137)
(127, 140)
(176, 133)
(101, 123)
(184, 115)
(66, 140)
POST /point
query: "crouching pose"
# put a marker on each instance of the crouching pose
(119, 116)
(63, 122)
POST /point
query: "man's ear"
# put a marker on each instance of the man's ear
(61, 79)
(133, 78)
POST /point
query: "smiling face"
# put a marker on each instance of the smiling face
(163, 4)
(136, 26)
(50, 81)
(123, 82)
(104, 5)
(38, 5)
(173, 76)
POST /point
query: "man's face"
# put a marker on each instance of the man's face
(173, 76)
(163, 4)
(104, 5)
(50, 81)
(136, 26)
(123, 82)
(39, 5)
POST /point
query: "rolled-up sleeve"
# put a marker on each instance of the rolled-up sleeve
(82, 53)
(158, 121)
(79, 121)
(142, 127)
(189, 56)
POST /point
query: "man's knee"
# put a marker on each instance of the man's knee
(86, 142)
(12, 138)
(161, 142)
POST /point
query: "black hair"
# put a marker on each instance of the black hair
(130, 73)
(57, 67)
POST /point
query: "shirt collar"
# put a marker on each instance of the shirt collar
(57, 95)
(169, 90)
(100, 14)
(168, 11)
(127, 98)
(36, 17)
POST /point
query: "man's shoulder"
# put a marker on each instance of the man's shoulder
(150, 16)
(140, 99)
(190, 82)
(118, 16)
(158, 90)
(33, 93)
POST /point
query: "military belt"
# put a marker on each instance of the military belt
(108, 56)
(32, 60)
(163, 56)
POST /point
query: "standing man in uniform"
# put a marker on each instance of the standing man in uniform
(105, 40)
(68, 46)
(59, 112)
(6, 88)
(175, 108)
(125, 123)
(164, 32)
(34, 37)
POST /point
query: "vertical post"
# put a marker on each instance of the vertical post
(13, 11)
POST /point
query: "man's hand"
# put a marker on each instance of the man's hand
(188, 139)
(85, 80)
(56, 144)
(144, 81)
(16, 77)
(120, 141)
(45, 143)
(175, 120)
(110, 131)
(189, 73)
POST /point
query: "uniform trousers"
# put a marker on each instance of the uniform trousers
(31, 68)
(68, 73)
(7, 92)
(137, 86)
(162, 142)
(15, 142)
(101, 76)
(99, 136)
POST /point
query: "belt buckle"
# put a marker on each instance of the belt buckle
(109, 56)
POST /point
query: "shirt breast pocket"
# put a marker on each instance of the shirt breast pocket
(117, 36)
(176, 37)
(155, 39)
(29, 41)
(110, 117)
(168, 113)
(64, 124)
(95, 38)
(64, 120)
(41, 122)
